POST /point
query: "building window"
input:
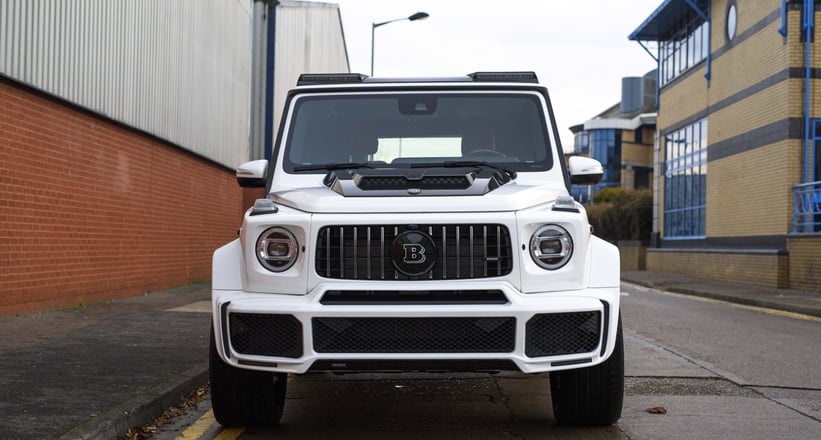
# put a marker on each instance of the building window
(642, 178)
(605, 146)
(686, 47)
(581, 144)
(732, 21)
(685, 182)
(816, 157)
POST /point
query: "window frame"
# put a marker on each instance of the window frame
(685, 183)
(684, 48)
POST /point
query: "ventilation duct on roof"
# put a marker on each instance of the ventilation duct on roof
(632, 94)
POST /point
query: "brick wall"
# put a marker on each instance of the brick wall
(768, 269)
(805, 263)
(750, 194)
(91, 210)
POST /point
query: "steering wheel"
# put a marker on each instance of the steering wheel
(484, 152)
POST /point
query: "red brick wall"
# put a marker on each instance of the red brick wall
(91, 210)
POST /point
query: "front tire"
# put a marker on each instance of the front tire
(591, 396)
(242, 397)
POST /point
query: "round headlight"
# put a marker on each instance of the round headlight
(551, 247)
(277, 249)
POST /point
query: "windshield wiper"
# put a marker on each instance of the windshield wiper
(334, 166)
(466, 164)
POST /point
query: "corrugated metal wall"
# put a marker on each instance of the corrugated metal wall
(178, 69)
(308, 40)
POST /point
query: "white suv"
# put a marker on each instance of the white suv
(417, 225)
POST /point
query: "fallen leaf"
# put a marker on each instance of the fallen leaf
(657, 410)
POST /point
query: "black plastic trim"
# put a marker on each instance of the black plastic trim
(423, 365)
(226, 345)
(400, 297)
(606, 327)
(571, 362)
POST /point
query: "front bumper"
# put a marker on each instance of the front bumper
(529, 332)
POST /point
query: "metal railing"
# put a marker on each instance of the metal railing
(807, 208)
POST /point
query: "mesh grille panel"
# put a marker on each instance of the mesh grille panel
(414, 335)
(562, 333)
(462, 251)
(266, 335)
(427, 182)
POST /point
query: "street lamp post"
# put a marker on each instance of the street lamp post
(414, 17)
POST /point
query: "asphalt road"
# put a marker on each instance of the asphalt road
(718, 370)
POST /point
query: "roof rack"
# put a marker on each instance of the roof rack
(312, 79)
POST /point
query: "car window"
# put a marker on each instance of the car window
(400, 129)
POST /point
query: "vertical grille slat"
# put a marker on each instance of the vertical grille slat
(471, 252)
(458, 259)
(341, 252)
(464, 251)
(484, 248)
(355, 253)
(444, 252)
(369, 251)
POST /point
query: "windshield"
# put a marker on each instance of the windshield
(410, 129)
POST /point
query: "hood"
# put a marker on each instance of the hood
(510, 197)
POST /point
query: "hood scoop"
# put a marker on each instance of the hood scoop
(399, 182)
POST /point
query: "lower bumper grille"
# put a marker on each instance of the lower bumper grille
(562, 333)
(414, 335)
(265, 334)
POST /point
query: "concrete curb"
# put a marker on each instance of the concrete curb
(748, 301)
(142, 409)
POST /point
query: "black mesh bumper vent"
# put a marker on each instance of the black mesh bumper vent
(562, 333)
(463, 251)
(414, 335)
(266, 335)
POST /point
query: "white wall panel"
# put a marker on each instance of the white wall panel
(309, 39)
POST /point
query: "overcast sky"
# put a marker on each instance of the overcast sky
(578, 48)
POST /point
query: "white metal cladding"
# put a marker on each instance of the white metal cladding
(179, 69)
(308, 40)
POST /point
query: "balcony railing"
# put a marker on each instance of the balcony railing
(807, 208)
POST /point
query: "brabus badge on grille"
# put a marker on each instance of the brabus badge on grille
(413, 253)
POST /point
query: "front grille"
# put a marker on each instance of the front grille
(376, 297)
(463, 251)
(414, 335)
(265, 334)
(562, 333)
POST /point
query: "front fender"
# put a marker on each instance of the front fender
(227, 267)
(604, 266)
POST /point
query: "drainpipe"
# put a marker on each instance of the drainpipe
(808, 27)
(783, 29)
(270, 47)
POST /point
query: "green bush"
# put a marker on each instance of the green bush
(619, 214)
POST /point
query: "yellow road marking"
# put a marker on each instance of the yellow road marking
(198, 428)
(229, 434)
(783, 313)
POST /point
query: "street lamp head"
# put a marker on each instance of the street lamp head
(414, 17)
(418, 16)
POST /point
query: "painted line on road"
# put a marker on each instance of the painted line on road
(203, 424)
(776, 312)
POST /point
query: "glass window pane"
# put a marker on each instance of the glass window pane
(685, 186)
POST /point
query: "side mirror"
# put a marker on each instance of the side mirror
(584, 170)
(252, 174)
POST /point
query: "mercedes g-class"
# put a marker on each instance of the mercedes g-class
(420, 224)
